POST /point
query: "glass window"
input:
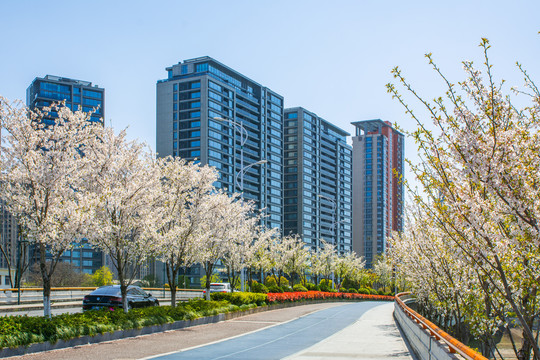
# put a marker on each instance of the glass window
(91, 93)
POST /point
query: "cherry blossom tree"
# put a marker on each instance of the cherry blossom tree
(43, 170)
(223, 222)
(258, 256)
(348, 266)
(323, 261)
(294, 256)
(124, 190)
(480, 174)
(183, 188)
(241, 248)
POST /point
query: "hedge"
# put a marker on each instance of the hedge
(240, 298)
(23, 330)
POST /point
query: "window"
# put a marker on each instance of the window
(292, 115)
(91, 93)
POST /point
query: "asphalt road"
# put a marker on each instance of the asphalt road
(40, 312)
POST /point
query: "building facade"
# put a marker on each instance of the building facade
(317, 180)
(11, 247)
(378, 165)
(211, 113)
(78, 95)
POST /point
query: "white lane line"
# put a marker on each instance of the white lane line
(235, 336)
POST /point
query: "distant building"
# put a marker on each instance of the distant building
(9, 243)
(77, 94)
(195, 93)
(317, 180)
(378, 164)
(199, 90)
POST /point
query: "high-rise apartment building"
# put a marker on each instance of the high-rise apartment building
(77, 94)
(378, 165)
(204, 112)
(317, 180)
(10, 245)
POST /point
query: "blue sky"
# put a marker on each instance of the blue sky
(331, 57)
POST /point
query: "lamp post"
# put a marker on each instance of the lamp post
(334, 214)
(243, 169)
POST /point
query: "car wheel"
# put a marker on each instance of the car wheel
(130, 306)
(156, 303)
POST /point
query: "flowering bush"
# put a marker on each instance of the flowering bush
(321, 295)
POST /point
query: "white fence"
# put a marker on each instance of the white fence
(29, 296)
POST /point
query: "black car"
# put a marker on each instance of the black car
(109, 297)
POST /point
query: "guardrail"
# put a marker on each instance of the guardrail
(432, 332)
(34, 295)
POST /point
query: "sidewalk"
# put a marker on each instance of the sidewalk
(374, 336)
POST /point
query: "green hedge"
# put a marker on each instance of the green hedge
(240, 298)
(23, 330)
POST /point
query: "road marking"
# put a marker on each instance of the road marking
(256, 321)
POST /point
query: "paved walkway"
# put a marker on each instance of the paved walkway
(372, 336)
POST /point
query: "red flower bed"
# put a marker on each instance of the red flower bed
(321, 295)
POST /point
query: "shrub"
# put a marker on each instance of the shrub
(283, 281)
(373, 292)
(311, 287)
(270, 281)
(287, 288)
(240, 298)
(353, 291)
(363, 291)
(258, 288)
(274, 289)
(299, 287)
(325, 285)
(342, 289)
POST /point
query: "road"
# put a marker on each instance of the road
(316, 331)
(39, 312)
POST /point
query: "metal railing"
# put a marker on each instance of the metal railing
(30, 295)
(454, 346)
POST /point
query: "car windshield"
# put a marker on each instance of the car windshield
(217, 286)
(107, 291)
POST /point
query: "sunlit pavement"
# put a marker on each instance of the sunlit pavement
(373, 336)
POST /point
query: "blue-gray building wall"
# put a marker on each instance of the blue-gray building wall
(317, 180)
(198, 90)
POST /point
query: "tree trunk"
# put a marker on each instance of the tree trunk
(171, 280)
(46, 281)
(208, 270)
(123, 286)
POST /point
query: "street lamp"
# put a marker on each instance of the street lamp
(243, 169)
(334, 214)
